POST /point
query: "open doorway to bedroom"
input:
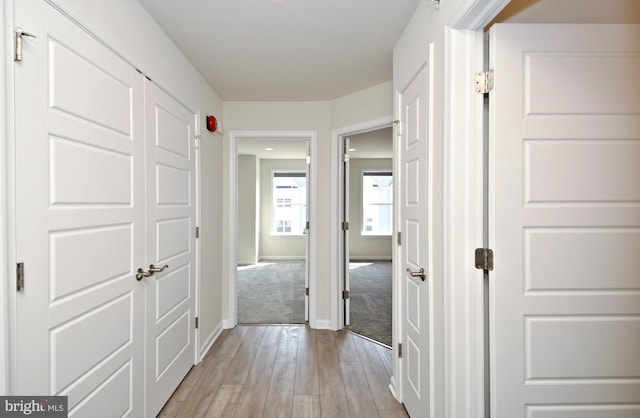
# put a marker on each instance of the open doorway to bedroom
(272, 192)
(367, 211)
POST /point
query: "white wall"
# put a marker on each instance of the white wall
(322, 117)
(363, 247)
(250, 185)
(276, 246)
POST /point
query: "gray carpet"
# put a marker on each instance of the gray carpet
(370, 295)
(273, 293)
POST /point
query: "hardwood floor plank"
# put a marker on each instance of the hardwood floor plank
(243, 359)
(346, 346)
(225, 402)
(377, 376)
(288, 371)
(359, 397)
(271, 335)
(387, 359)
(307, 364)
(306, 406)
(200, 398)
(288, 347)
(256, 388)
(280, 397)
(230, 343)
(333, 399)
(171, 409)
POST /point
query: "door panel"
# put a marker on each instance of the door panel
(171, 215)
(565, 220)
(79, 218)
(414, 155)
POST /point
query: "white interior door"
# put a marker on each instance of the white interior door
(79, 219)
(171, 215)
(565, 221)
(345, 228)
(414, 163)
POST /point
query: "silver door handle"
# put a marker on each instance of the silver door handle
(141, 274)
(419, 273)
(154, 269)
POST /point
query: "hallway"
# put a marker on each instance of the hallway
(288, 371)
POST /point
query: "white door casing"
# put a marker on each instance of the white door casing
(345, 229)
(414, 161)
(564, 220)
(79, 219)
(171, 234)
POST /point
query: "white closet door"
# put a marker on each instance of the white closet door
(79, 219)
(565, 221)
(171, 215)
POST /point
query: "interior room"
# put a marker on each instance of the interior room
(272, 245)
(141, 210)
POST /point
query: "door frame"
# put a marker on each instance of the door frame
(231, 294)
(337, 285)
(466, 335)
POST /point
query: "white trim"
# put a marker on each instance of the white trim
(463, 199)
(323, 324)
(464, 209)
(337, 314)
(210, 341)
(232, 221)
(282, 257)
(7, 195)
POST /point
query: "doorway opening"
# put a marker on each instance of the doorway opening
(367, 232)
(272, 229)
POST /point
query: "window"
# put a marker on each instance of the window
(289, 202)
(377, 203)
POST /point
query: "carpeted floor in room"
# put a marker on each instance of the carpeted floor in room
(273, 293)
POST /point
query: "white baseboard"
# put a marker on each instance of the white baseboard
(365, 258)
(323, 324)
(281, 257)
(392, 389)
(212, 339)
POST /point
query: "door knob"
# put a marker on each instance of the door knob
(420, 273)
(141, 274)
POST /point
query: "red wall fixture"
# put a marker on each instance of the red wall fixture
(212, 123)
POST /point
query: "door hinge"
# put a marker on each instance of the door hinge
(196, 141)
(17, 40)
(307, 225)
(345, 294)
(399, 350)
(306, 291)
(484, 259)
(20, 276)
(197, 322)
(484, 82)
(399, 238)
(345, 158)
(197, 232)
(345, 226)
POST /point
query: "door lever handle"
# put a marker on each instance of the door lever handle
(420, 273)
(141, 274)
(154, 269)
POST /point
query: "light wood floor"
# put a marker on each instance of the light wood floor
(288, 371)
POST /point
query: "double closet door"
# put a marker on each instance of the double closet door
(105, 185)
